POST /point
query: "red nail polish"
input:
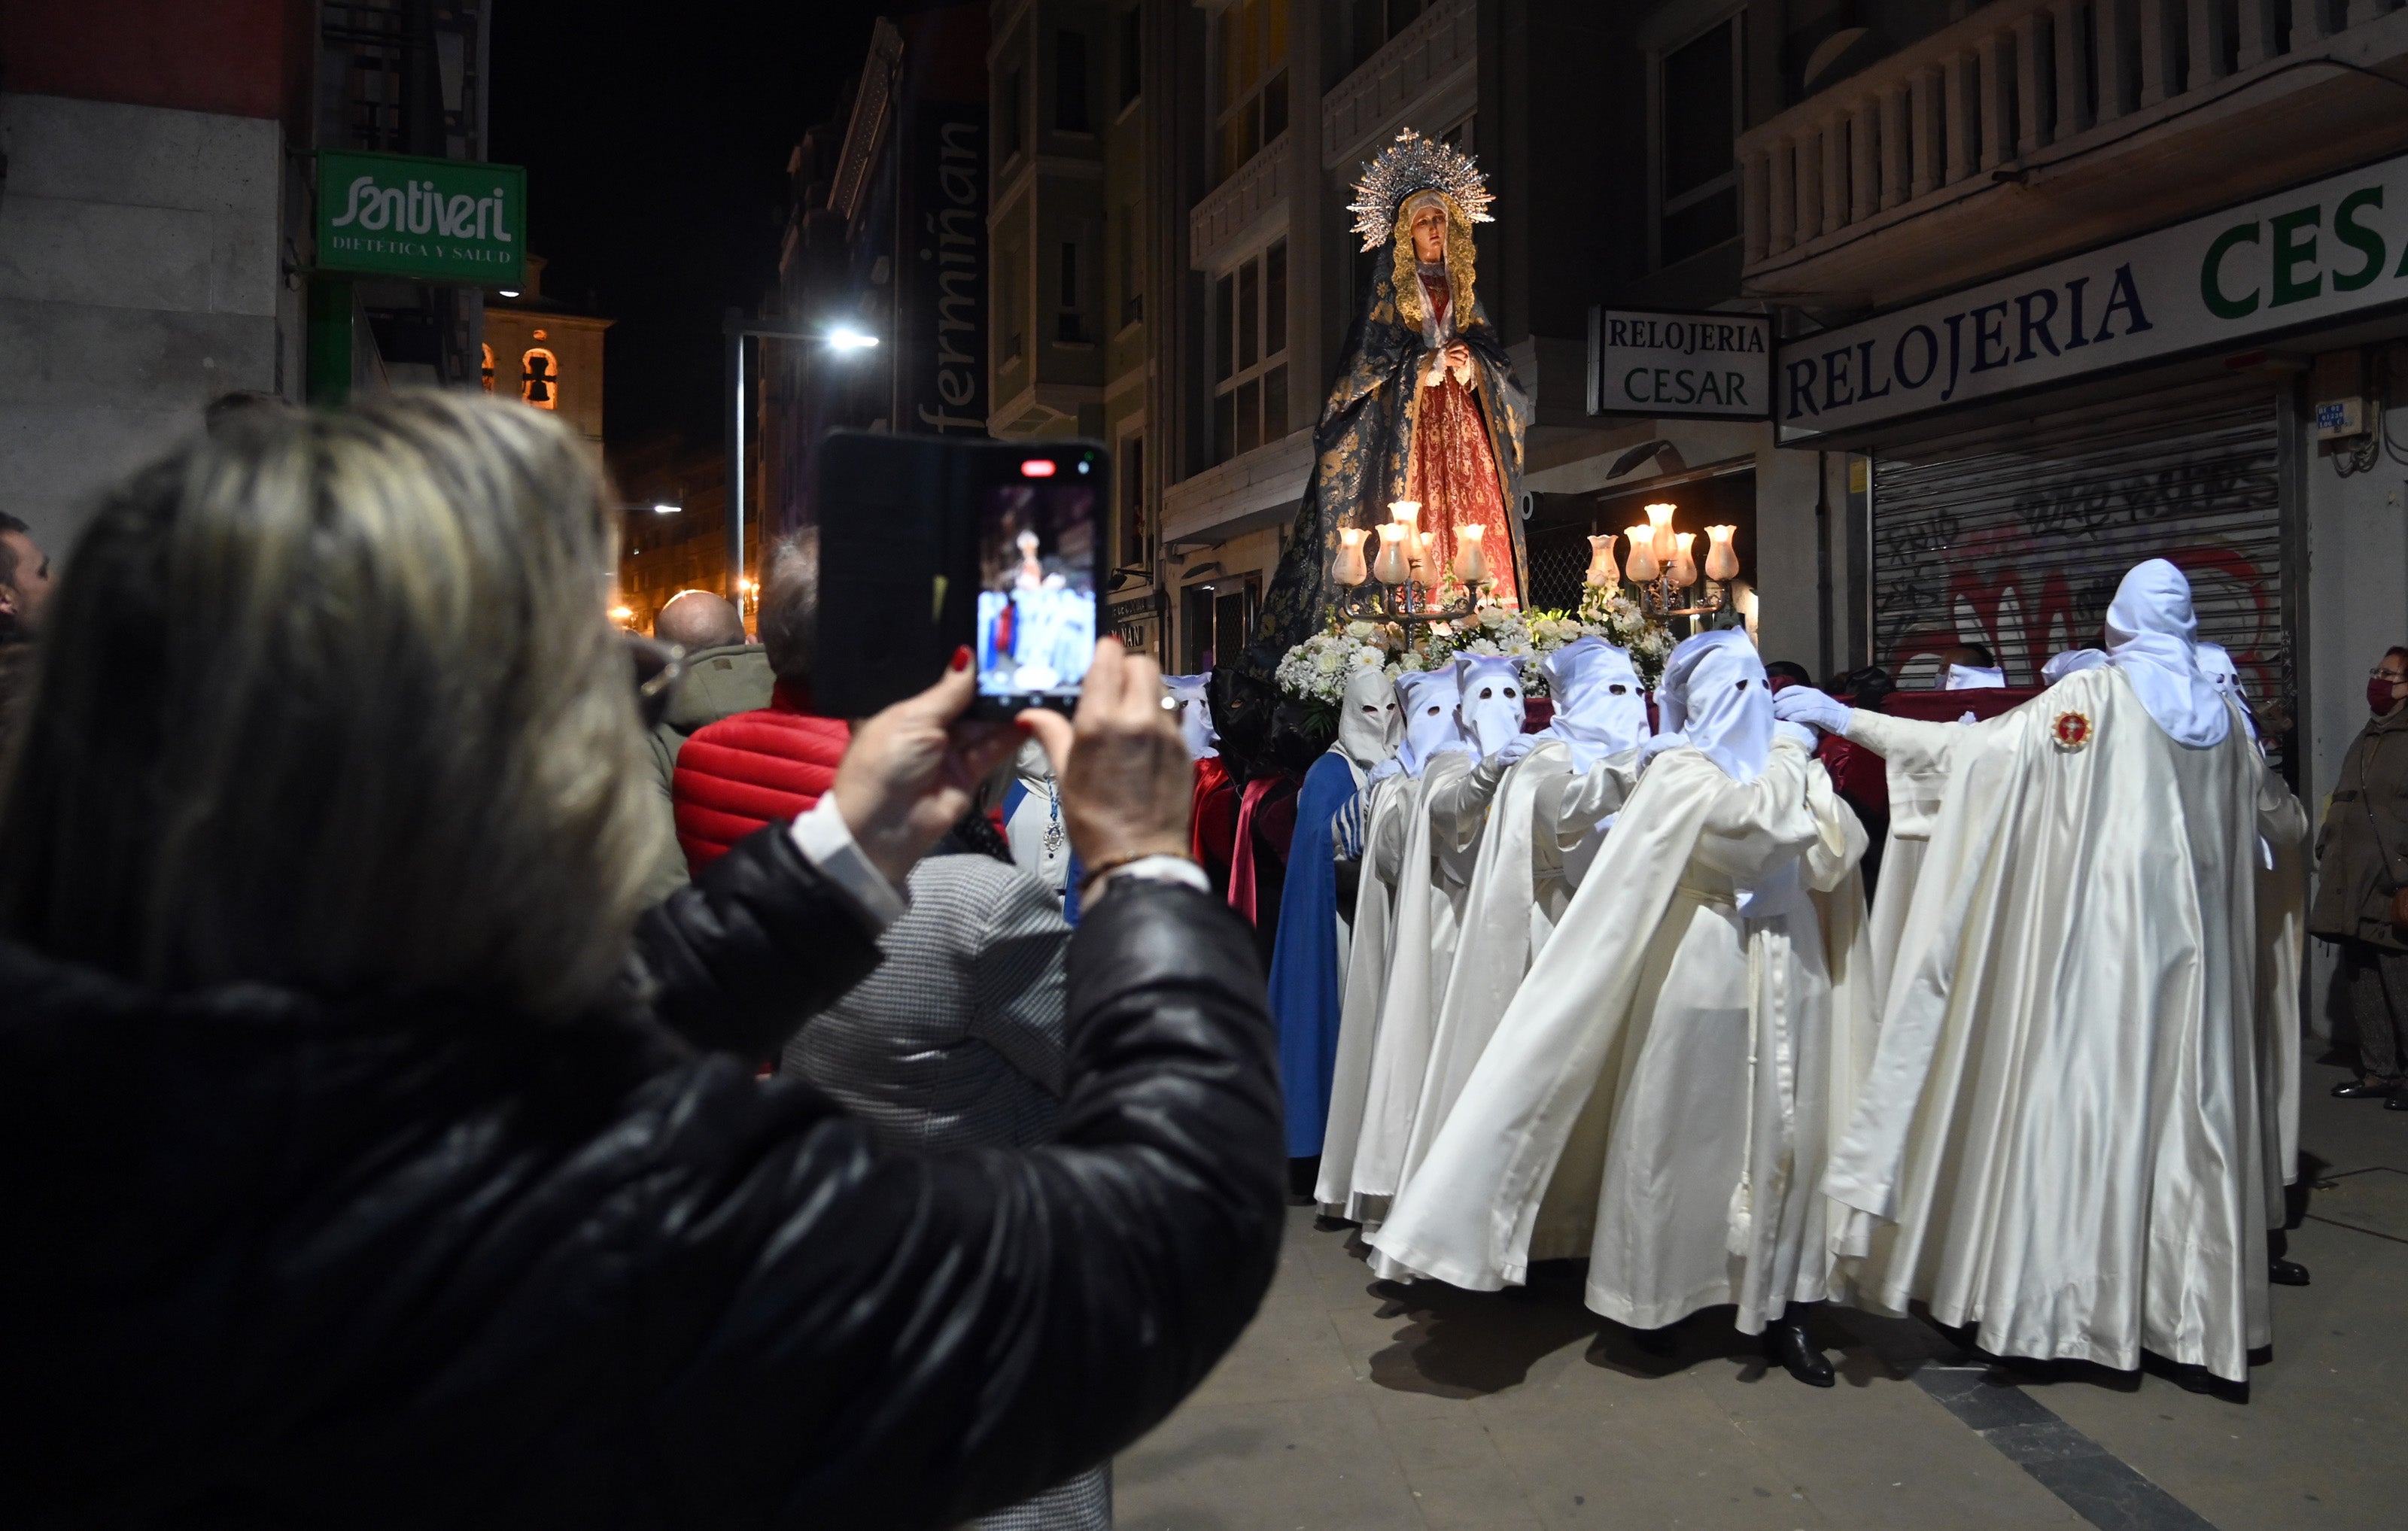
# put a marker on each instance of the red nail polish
(962, 657)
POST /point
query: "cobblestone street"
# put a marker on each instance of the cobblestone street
(1357, 1403)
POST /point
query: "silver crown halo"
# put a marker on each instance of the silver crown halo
(1415, 164)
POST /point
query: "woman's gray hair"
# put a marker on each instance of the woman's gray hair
(331, 701)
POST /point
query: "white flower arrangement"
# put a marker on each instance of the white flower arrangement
(1319, 668)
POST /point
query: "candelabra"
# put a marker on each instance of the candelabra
(1392, 586)
(1663, 565)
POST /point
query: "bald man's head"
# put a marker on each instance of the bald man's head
(696, 619)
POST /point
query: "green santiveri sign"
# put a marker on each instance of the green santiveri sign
(397, 215)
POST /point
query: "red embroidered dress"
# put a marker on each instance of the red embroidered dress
(1454, 474)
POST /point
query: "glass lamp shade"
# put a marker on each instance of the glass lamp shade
(1643, 564)
(1659, 521)
(1348, 569)
(1471, 556)
(1601, 569)
(1684, 565)
(1405, 512)
(1419, 546)
(1721, 563)
(1390, 567)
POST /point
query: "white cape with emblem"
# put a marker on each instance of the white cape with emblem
(1658, 1093)
(2068, 1116)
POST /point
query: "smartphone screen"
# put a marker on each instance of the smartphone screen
(1038, 552)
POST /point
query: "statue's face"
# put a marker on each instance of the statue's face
(1429, 235)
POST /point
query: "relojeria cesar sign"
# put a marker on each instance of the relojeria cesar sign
(2327, 250)
(397, 215)
(1676, 366)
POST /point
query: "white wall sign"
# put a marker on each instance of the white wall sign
(2333, 249)
(1679, 365)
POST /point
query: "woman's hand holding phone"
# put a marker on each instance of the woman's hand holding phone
(1126, 781)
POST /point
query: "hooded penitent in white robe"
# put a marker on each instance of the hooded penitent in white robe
(1391, 810)
(2282, 934)
(2067, 1118)
(1435, 850)
(1575, 773)
(1658, 1093)
(1192, 694)
(1369, 729)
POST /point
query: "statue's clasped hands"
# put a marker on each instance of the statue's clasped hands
(1455, 357)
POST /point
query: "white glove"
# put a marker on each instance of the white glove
(1386, 768)
(1515, 748)
(1812, 707)
(1656, 744)
(1797, 734)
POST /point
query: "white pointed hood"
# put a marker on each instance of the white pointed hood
(1368, 721)
(2215, 663)
(1490, 706)
(1715, 695)
(1195, 712)
(1601, 709)
(2151, 634)
(1428, 699)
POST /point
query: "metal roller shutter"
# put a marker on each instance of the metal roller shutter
(2014, 537)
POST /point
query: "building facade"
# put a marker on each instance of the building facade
(157, 216)
(1179, 279)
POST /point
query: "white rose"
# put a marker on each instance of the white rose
(1327, 662)
(1359, 631)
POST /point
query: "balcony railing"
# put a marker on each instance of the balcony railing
(2017, 84)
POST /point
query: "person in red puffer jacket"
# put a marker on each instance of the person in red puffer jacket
(772, 764)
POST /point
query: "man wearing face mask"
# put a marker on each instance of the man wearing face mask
(1310, 953)
(1553, 803)
(2070, 1119)
(2362, 858)
(1658, 1094)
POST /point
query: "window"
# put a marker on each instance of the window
(1008, 126)
(1217, 618)
(1070, 81)
(1132, 57)
(1250, 354)
(539, 378)
(1067, 328)
(1007, 285)
(1374, 21)
(1700, 104)
(1132, 270)
(1252, 107)
(1134, 551)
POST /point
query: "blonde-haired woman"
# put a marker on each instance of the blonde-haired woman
(368, 1162)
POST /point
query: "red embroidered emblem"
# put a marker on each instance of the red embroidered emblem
(2071, 731)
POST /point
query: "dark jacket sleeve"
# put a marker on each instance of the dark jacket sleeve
(738, 957)
(854, 1338)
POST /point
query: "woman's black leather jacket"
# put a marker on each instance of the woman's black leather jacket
(269, 1260)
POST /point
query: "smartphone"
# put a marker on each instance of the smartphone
(929, 544)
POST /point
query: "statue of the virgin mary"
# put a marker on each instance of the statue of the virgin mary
(1426, 406)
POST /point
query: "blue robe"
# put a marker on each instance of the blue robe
(1304, 977)
(1015, 797)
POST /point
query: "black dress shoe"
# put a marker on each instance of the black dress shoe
(2364, 1089)
(2287, 1272)
(1785, 1341)
(2397, 1103)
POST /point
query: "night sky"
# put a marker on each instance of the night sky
(656, 140)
